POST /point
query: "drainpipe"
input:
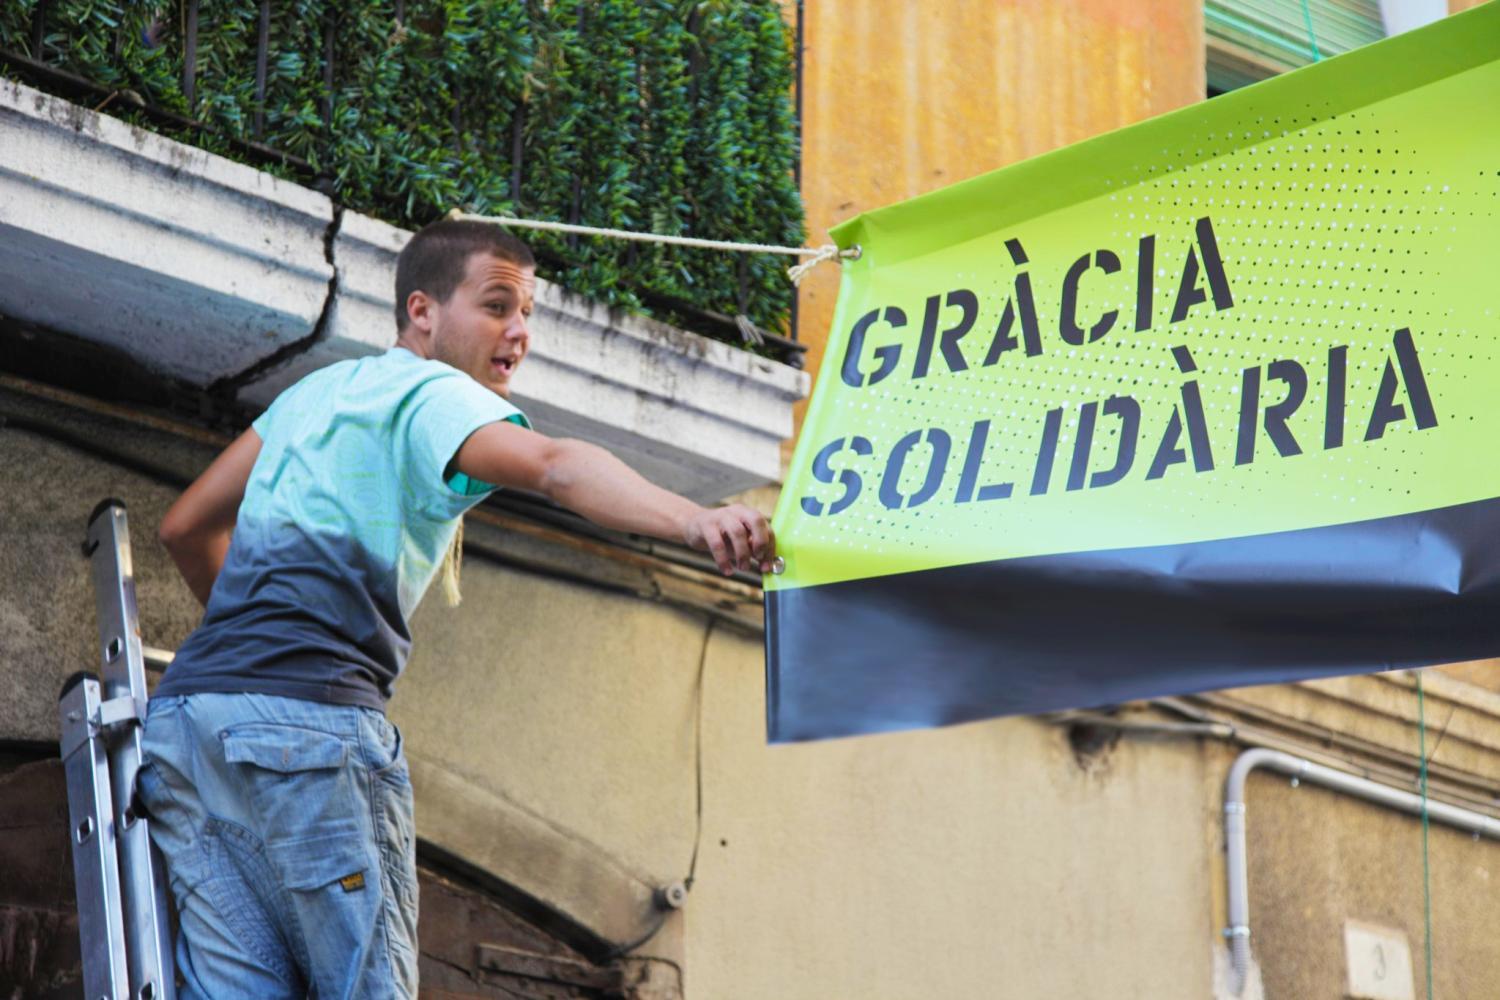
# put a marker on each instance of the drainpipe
(1339, 781)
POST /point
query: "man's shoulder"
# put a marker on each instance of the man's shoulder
(395, 368)
(393, 386)
(402, 366)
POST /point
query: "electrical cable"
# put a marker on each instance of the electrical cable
(681, 973)
(1443, 733)
(1317, 56)
(626, 949)
(1426, 863)
(698, 758)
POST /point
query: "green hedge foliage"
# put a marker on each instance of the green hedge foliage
(660, 115)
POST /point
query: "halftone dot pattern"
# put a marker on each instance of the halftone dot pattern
(1334, 230)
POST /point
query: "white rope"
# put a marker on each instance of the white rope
(827, 251)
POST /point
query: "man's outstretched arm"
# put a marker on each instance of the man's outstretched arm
(590, 481)
(197, 529)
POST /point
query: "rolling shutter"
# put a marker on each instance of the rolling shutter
(1250, 40)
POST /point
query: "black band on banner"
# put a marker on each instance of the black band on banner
(1047, 633)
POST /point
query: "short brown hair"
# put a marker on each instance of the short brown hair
(434, 259)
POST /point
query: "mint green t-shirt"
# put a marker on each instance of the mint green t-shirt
(345, 520)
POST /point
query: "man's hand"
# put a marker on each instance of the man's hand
(736, 536)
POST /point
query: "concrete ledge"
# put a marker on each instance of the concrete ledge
(569, 876)
(700, 417)
(360, 319)
(198, 266)
(211, 272)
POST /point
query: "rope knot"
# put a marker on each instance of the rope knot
(828, 251)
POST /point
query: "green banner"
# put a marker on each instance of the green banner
(1270, 312)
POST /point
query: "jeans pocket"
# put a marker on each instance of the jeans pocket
(395, 829)
(310, 864)
(333, 899)
(147, 789)
(298, 781)
(396, 832)
(381, 741)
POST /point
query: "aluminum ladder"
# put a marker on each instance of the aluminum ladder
(122, 907)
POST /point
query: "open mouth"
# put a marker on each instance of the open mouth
(504, 366)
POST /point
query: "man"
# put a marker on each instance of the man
(279, 790)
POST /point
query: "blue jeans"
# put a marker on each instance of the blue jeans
(286, 826)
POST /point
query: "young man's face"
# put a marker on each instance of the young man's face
(482, 328)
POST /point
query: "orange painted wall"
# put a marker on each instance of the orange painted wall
(902, 97)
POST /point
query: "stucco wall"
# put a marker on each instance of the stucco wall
(982, 860)
(551, 725)
(47, 490)
(929, 864)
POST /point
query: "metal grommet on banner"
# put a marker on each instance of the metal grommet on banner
(778, 566)
(828, 251)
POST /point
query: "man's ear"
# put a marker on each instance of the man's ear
(419, 309)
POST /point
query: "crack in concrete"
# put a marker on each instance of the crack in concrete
(229, 386)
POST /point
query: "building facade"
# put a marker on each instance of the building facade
(587, 729)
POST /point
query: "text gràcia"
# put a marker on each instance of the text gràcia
(1402, 376)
